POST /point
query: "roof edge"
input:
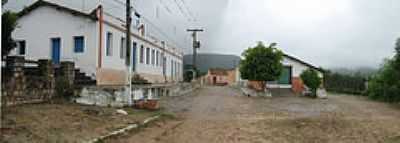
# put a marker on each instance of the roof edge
(303, 62)
(41, 3)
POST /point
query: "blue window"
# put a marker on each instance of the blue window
(109, 46)
(79, 44)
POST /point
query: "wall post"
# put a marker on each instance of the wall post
(47, 72)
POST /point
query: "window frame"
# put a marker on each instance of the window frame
(157, 58)
(109, 44)
(141, 56)
(83, 44)
(19, 47)
(153, 57)
(147, 55)
(122, 48)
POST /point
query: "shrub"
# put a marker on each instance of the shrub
(385, 85)
(311, 80)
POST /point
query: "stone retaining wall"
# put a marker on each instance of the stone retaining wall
(30, 84)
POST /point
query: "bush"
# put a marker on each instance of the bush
(342, 83)
(311, 80)
(385, 86)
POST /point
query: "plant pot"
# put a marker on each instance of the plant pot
(152, 105)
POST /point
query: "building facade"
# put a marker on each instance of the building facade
(290, 76)
(217, 76)
(95, 41)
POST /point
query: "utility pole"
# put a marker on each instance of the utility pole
(128, 59)
(128, 32)
(196, 45)
(163, 61)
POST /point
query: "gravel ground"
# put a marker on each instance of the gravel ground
(64, 122)
(222, 114)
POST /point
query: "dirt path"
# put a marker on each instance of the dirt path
(221, 114)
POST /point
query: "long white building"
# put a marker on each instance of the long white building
(95, 41)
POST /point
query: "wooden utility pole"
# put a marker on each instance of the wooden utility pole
(128, 32)
(196, 45)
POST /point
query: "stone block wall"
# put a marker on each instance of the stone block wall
(22, 84)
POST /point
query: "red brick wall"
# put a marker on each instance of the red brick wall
(297, 85)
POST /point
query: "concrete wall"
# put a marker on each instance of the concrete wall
(42, 24)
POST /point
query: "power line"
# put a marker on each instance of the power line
(158, 29)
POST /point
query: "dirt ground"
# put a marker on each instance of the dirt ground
(222, 114)
(64, 122)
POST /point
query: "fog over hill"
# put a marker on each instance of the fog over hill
(363, 71)
(209, 60)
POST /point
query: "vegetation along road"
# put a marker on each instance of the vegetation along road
(222, 114)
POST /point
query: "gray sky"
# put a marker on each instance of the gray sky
(327, 33)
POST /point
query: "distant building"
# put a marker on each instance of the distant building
(218, 76)
(95, 41)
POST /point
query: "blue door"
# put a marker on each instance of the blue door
(55, 50)
(286, 76)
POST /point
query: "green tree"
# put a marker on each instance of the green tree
(385, 85)
(9, 22)
(261, 63)
(311, 79)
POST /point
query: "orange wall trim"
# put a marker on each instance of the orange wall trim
(100, 15)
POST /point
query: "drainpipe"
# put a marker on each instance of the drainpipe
(100, 16)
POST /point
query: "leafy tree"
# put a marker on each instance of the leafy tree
(344, 83)
(385, 85)
(9, 22)
(311, 79)
(261, 63)
(3, 2)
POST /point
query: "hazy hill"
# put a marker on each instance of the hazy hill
(206, 61)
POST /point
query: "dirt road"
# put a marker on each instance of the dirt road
(222, 114)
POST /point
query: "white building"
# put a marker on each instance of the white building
(95, 41)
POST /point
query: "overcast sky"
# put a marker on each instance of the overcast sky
(327, 33)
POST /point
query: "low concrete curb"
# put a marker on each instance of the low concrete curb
(124, 130)
(250, 92)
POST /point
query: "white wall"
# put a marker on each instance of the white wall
(37, 27)
(297, 67)
(115, 62)
(44, 23)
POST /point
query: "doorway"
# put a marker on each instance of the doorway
(55, 50)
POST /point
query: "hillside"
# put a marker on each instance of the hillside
(206, 61)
